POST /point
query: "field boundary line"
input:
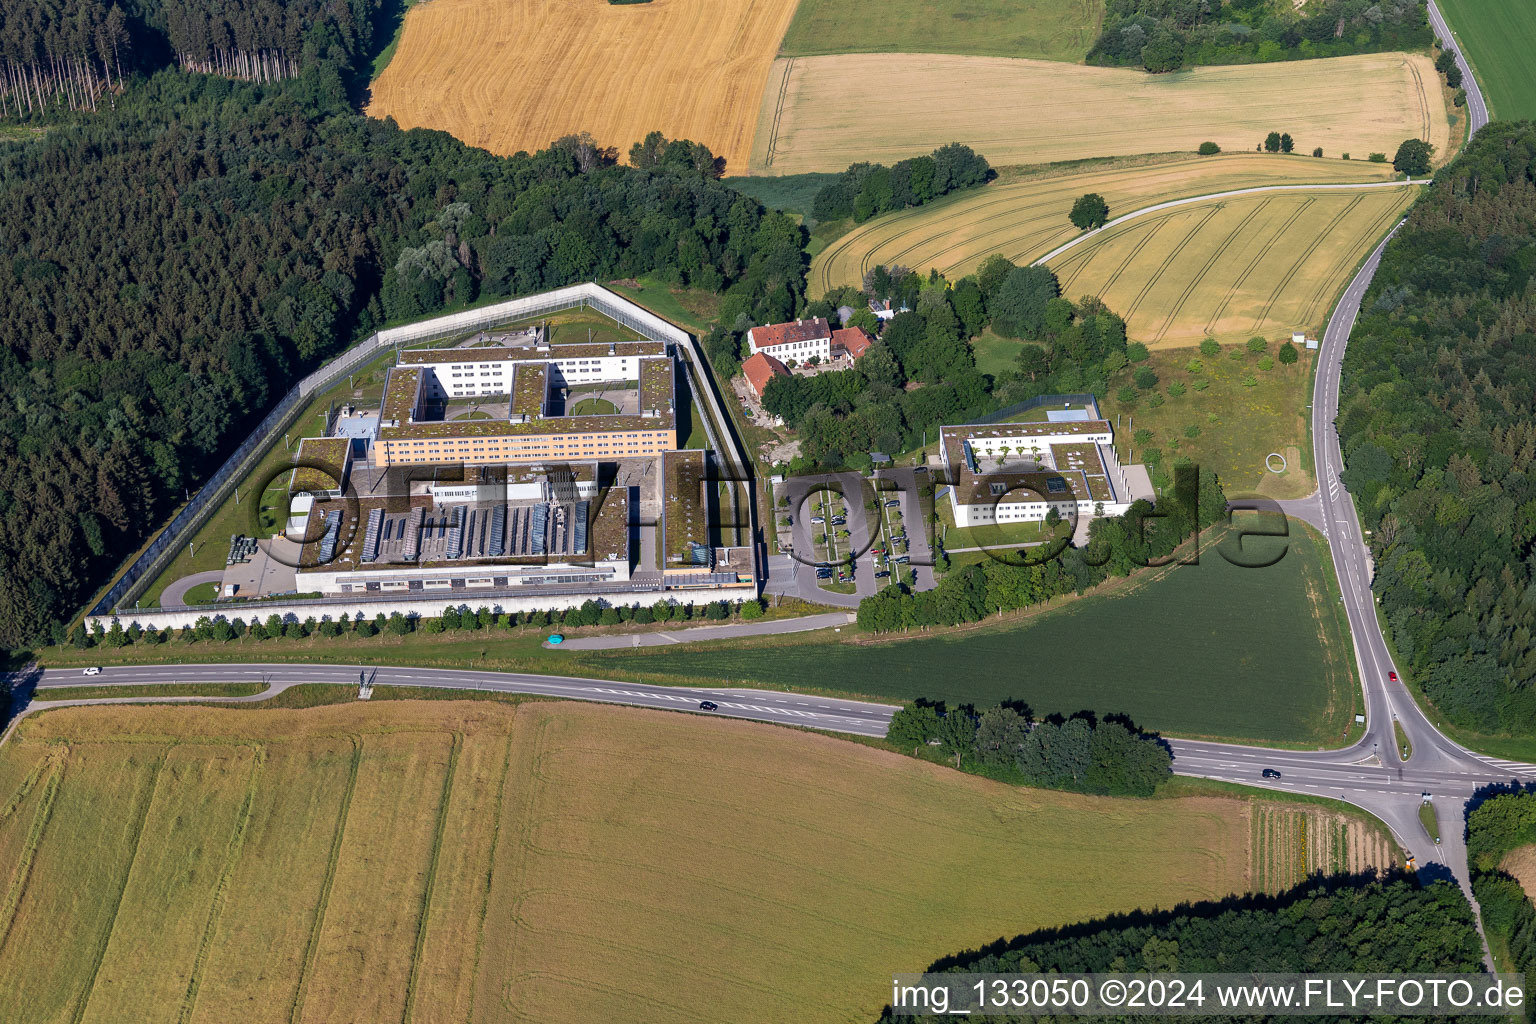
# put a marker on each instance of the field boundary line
(312, 948)
(408, 1013)
(1256, 189)
(216, 907)
(40, 819)
(778, 116)
(117, 905)
(490, 870)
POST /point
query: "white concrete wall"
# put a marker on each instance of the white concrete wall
(427, 606)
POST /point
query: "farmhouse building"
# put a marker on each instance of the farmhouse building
(796, 342)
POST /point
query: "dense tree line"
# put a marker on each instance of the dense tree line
(1495, 827)
(1117, 546)
(1389, 926)
(167, 266)
(1165, 35)
(1082, 754)
(1438, 423)
(61, 51)
(867, 190)
(72, 52)
(922, 374)
(222, 628)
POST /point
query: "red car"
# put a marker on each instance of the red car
(1392, 676)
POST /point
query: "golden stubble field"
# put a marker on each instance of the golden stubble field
(1264, 264)
(513, 75)
(441, 861)
(822, 113)
(1026, 218)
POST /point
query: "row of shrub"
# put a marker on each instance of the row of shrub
(221, 629)
(1083, 754)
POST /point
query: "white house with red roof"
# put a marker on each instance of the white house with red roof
(796, 342)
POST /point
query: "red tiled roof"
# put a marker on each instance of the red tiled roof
(784, 334)
(853, 340)
(760, 369)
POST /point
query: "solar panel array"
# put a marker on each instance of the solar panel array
(371, 537)
(538, 529)
(332, 533)
(579, 529)
(456, 533)
(413, 528)
(497, 543)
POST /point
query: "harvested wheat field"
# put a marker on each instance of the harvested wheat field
(1262, 264)
(1026, 218)
(468, 861)
(513, 75)
(823, 113)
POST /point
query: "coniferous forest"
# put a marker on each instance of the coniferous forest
(171, 261)
(1438, 423)
(1381, 926)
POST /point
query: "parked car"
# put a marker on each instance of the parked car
(1270, 773)
(903, 559)
(882, 574)
(818, 519)
(893, 503)
(94, 670)
(839, 521)
(823, 574)
(708, 705)
(877, 551)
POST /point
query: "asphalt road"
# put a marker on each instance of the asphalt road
(1477, 108)
(861, 718)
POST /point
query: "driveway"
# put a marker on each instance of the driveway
(175, 595)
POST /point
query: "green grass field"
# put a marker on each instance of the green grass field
(1047, 29)
(1236, 426)
(594, 407)
(1499, 37)
(478, 862)
(1207, 650)
(792, 193)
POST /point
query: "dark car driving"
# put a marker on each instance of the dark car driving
(708, 705)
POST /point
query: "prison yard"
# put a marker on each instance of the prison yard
(1024, 214)
(469, 861)
(517, 75)
(240, 539)
(1235, 267)
(820, 113)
